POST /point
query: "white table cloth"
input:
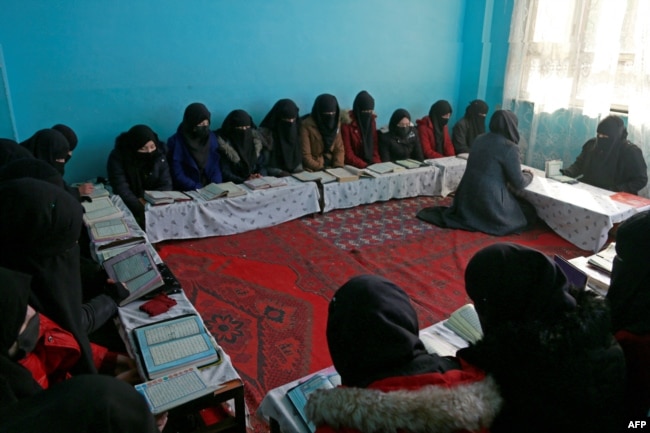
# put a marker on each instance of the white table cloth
(402, 184)
(225, 216)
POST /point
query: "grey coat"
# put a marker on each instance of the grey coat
(484, 200)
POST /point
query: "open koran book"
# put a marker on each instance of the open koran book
(411, 163)
(100, 209)
(385, 167)
(343, 174)
(175, 389)
(111, 229)
(604, 259)
(465, 322)
(157, 198)
(314, 176)
(174, 344)
(220, 190)
(299, 394)
(265, 182)
(136, 269)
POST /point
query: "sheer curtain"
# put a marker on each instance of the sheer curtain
(573, 62)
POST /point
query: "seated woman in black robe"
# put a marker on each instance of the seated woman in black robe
(547, 345)
(138, 164)
(10, 150)
(281, 131)
(470, 126)
(241, 148)
(610, 161)
(486, 199)
(400, 140)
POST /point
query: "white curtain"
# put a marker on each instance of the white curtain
(573, 62)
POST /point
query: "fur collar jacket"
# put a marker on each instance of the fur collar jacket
(230, 152)
(433, 403)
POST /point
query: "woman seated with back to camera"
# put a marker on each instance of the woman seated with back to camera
(138, 164)
(487, 198)
(629, 299)
(400, 139)
(281, 131)
(547, 344)
(389, 381)
(241, 147)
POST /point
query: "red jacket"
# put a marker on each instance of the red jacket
(415, 404)
(428, 141)
(57, 351)
(353, 145)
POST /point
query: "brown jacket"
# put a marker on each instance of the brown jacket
(313, 147)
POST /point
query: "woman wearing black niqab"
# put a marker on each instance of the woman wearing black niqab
(610, 161)
(434, 133)
(240, 146)
(38, 236)
(51, 146)
(359, 132)
(400, 140)
(138, 164)
(10, 150)
(320, 135)
(193, 154)
(281, 131)
(470, 126)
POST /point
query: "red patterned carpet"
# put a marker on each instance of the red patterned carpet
(264, 294)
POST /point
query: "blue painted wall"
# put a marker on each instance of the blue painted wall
(101, 67)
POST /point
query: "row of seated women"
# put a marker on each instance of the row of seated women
(284, 143)
(553, 357)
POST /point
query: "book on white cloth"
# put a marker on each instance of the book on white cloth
(463, 155)
(314, 176)
(100, 209)
(111, 229)
(299, 394)
(157, 198)
(385, 167)
(410, 163)
(174, 389)
(265, 182)
(170, 345)
(136, 269)
(465, 323)
(342, 174)
(597, 279)
(220, 190)
(604, 259)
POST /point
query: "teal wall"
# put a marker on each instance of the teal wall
(101, 67)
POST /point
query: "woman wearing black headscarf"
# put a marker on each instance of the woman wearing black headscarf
(39, 227)
(400, 139)
(390, 383)
(433, 131)
(10, 150)
(629, 299)
(470, 126)
(359, 132)
(86, 403)
(52, 147)
(547, 345)
(281, 131)
(193, 151)
(138, 164)
(320, 135)
(610, 161)
(241, 147)
(485, 200)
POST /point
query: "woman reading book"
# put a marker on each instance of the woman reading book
(547, 344)
(386, 373)
(36, 391)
